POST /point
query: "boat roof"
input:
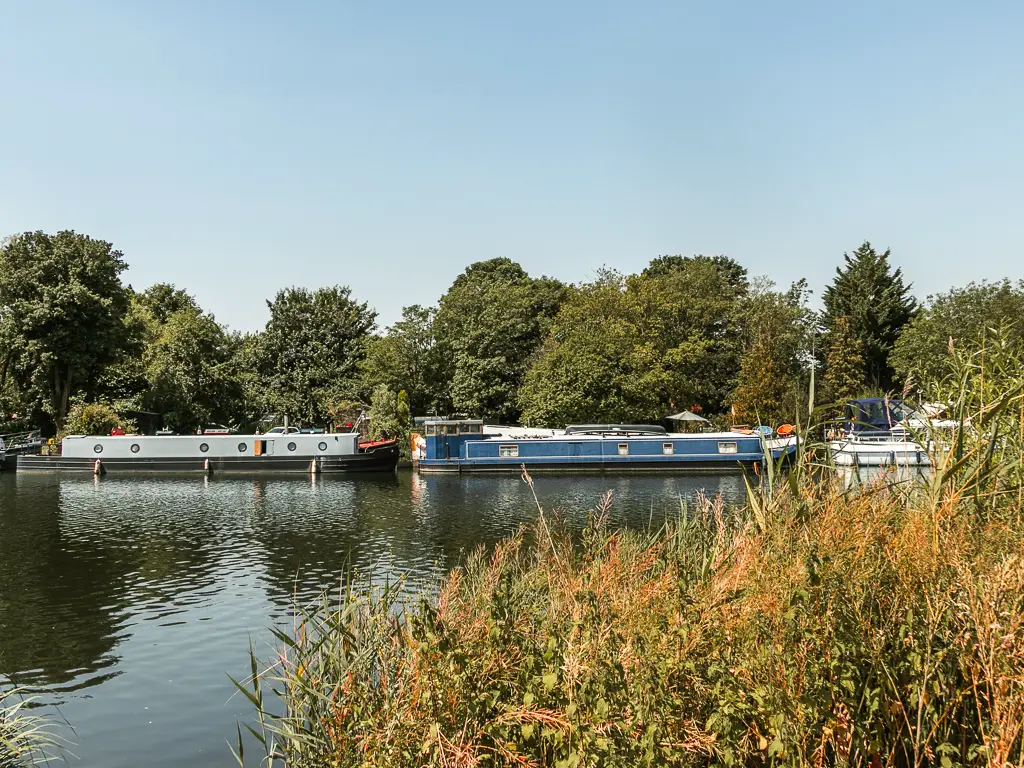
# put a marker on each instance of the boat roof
(635, 429)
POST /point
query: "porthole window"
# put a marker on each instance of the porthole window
(241, 447)
(98, 448)
(135, 447)
(322, 446)
(204, 447)
(291, 446)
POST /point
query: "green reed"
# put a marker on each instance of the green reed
(26, 738)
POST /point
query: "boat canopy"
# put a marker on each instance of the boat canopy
(687, 416)
(877, 413)
(605, 429)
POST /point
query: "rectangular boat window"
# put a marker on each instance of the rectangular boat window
(668, 448)
(727, 447)
(508, 451)
(431, 429)
(623, 449)
(471, 429)
(451, 429)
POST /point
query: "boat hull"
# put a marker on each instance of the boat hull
(879, 454)
(379, 459)
(567, 465)
(668, 454)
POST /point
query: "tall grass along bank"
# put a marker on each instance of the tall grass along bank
(817, 626)
(26, 738)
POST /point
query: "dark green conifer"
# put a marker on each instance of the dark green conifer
(877, 304)
(844, 364)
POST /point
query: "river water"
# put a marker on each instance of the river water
(127, 602)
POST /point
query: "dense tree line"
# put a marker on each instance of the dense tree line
(688, 332)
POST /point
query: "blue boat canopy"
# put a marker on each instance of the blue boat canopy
(876, 413)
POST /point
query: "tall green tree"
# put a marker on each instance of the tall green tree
(488, 326)
(702, 307)
(61, 310)
(844, 364)
(771, 376)
(408, 358)
(734, 272)
(635, 348)
(385, 418)
(243, 370)
(603, 361)
(179, 362)
(123, 382)
(188, 368)
(960, 316)
(873, 297)
(165, 299)
(312, 350)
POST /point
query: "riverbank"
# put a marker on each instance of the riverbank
(812, 626)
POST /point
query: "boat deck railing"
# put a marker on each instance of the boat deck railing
(614, 429)
(17, 440)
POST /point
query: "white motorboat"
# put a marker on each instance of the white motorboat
(877, 432)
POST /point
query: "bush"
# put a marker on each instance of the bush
(94, 419)
(389, 414)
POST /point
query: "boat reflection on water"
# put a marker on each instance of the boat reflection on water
(867, 477)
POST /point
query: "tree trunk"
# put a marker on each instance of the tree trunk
(61, 394)
(65, 396)
(55, 395)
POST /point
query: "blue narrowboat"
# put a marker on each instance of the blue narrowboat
(463, 446)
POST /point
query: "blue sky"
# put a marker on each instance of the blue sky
(234, 148)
